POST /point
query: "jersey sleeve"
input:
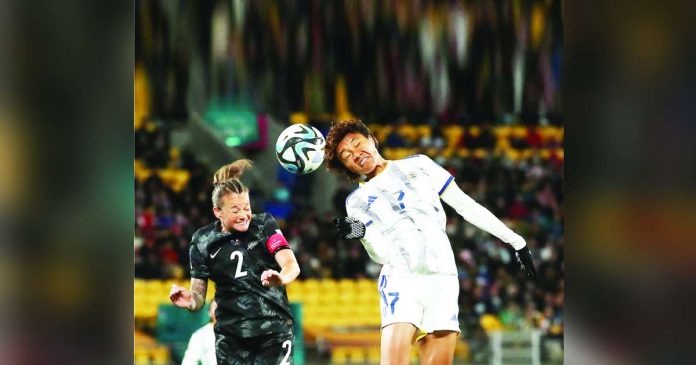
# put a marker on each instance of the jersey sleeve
(195, 352)
(439, 178)
(199, 265)
(274, 239)
(376, 246)
(481, 217)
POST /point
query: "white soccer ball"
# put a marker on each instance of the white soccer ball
(300, 149)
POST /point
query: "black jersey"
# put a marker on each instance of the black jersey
(235, 261)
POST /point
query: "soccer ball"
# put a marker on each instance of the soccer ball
(300, 149)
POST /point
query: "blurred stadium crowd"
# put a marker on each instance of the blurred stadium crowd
(463, 59)
(473, 84)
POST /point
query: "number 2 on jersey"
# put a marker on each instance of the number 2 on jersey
(287, 344)
(239, 273)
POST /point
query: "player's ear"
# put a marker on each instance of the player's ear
(218, 212)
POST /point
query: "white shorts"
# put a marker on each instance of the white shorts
(429, 302)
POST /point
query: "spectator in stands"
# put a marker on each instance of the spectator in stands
(397, 214)
(201, 346)
(250, 261)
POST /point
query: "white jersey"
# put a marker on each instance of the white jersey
(404, 218)
(201, 347)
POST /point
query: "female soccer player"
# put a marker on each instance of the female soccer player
(250, 261)
(397, 214)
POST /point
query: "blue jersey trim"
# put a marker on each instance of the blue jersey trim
(368, 223)
(412, 156)
(446, 185)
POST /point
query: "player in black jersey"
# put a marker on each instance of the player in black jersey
(250, 261)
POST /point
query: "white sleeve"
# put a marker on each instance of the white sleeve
(479, 216)
(376, 246)
(195, 352)
(439, 177)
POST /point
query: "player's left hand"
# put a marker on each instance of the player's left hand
(524, 258)
(271, 278)
(349, 228)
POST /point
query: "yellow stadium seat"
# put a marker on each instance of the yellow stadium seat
(519, 132)
(339, 355)
(298, 118)
(512, 154)
(295, 296)
(502, 132)
(356, 354)
(369, 284)
(383, 132)
(373, 355)
(408, 132)
(545, 153)
(480, 153)
(160, 356)
(490, 322)
(347, 284)
(424, 130)
(311, 285)
(463, 152)
(474, 131)
(502, 144)
(462, 351)
(327, 284)
(141, 359)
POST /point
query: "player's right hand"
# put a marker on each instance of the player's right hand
(349, 228)
(181, 297)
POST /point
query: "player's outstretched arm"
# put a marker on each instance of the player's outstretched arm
(290, 269)
(193, 299)
(479, 216)
(482, 218)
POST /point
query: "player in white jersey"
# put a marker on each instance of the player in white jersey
(397, 214)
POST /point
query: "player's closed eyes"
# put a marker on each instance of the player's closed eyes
(345, 155)
(236, 210)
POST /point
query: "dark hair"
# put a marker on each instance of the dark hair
(335, 136)
(226, 180)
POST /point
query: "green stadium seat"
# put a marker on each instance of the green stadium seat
(175, 326)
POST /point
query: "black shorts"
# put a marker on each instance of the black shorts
(272, 349)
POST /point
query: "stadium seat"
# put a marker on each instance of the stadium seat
(462, 351)
(424, 131)
(453, 134)
(490, 323)
(141, 359)
(373, 355)
(160, 356)
(328, 284)
(366, 284)
(356, 354)
(339, 355)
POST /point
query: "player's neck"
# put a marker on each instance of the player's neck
(381, 166)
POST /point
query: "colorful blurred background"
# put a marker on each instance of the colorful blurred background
(475, 85)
